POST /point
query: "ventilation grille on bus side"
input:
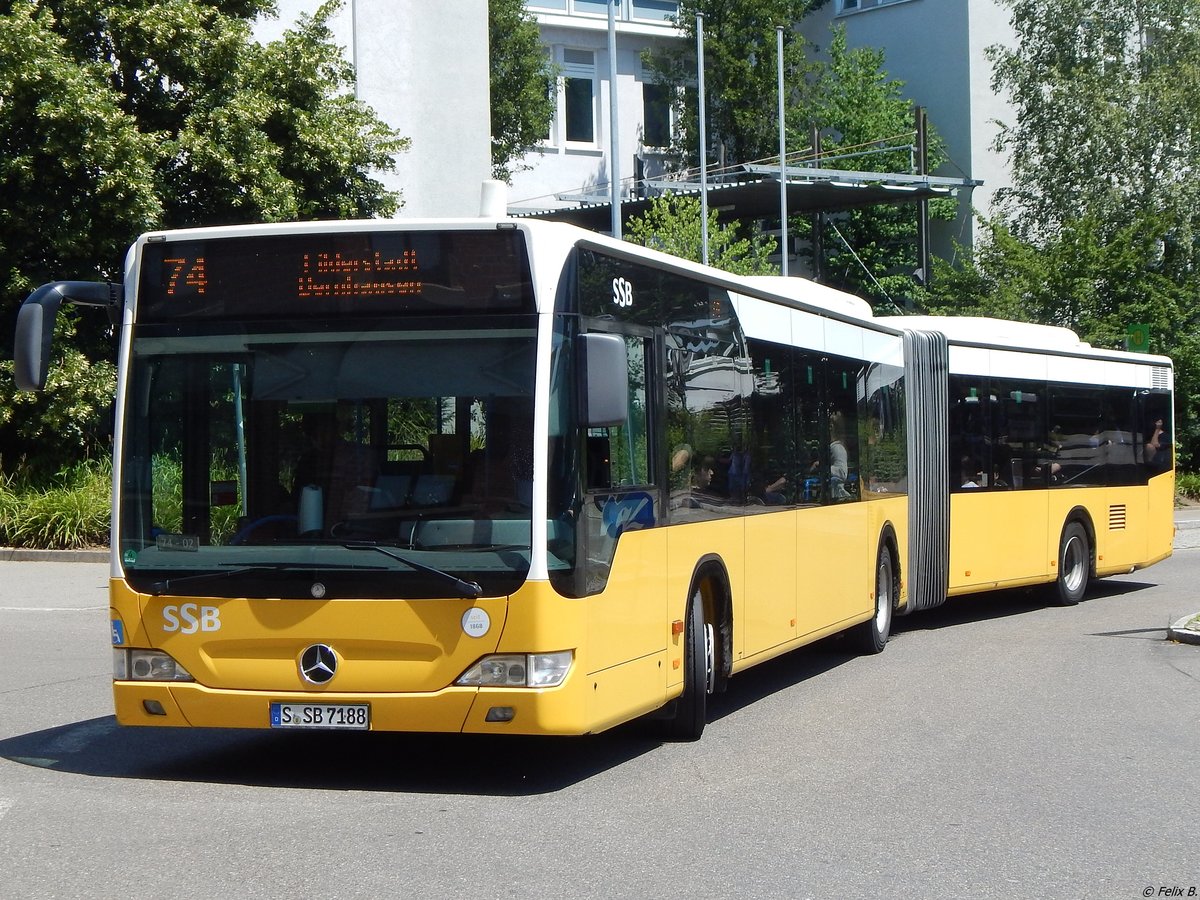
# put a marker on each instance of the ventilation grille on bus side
(1160, 378)
(1116, 517)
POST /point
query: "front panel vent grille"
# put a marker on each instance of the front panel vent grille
(1160, 378)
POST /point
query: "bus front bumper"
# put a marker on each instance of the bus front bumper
(526, 711)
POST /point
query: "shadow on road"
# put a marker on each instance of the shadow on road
(779, 674)
(451, 764)
(407, 763)
(1001, 604)
(403, 763)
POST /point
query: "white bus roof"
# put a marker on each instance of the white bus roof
(999, 333)
(809, 292)
(995, 332)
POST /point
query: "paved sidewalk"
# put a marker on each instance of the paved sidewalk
(1187, 537)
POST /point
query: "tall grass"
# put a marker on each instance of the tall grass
(71, 513)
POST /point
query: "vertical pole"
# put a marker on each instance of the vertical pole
(354, 46)
(703, 140)
(818, 245)
(614, 167)
(783, 211)
(922, 206)
(239, 424)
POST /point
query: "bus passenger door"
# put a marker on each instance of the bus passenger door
(835, 553)
(622, 504)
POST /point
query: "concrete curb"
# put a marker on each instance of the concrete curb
(1182, 633)
(22, 554)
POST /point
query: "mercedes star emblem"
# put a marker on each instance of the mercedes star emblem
(318, 663)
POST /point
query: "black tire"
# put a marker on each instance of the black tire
(691, 709)
(872, 635)
(1074, 565)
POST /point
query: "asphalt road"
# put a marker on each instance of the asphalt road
(999, 748)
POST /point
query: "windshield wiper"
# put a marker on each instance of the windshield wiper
(159, 588)
(470, 589)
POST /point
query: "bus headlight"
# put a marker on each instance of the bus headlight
(147, 665)
(519, 670)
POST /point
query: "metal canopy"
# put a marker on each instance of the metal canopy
(753, 193)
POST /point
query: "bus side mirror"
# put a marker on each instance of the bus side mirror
(35, 326)
(606, 380)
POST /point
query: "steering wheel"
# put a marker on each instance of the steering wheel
(250, 527)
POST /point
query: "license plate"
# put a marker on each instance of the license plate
(321, 715)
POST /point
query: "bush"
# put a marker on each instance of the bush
(45, 432)
(70, 514)
(1187, 484)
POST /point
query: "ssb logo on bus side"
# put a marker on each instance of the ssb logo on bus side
(622, 293)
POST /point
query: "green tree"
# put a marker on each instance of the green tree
(672, 225)
(865, 124)
(1106, 96)
(848, 98)
(522, 78)
(740, 71)
(1099, 228)
(117, 117)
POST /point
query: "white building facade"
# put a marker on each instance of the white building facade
(574, 163)
(423, 67)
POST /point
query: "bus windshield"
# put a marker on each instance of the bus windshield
(259, 461)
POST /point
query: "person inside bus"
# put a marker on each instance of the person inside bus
(773, 493)
(739, 476)
(1158, 453)
(699, 493)
(682, 474)
(702, 474)
(839, 458)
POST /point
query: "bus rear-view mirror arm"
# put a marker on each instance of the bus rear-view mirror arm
(35, 325)
(606, 370)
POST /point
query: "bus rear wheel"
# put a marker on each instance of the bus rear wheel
(872, 635)
(691, 709)
(1074, 565)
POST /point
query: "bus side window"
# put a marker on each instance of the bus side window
(842, 466)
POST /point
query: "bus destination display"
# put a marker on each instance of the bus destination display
(337, 275)
(319, 275)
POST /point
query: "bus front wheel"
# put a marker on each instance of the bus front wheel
(691, 709)
(1074, 565)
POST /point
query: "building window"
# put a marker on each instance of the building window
(551, 89)
(655, 10)
(656, 115)
(849, 6)
(663, 11)
(593, 7)
(579, 96)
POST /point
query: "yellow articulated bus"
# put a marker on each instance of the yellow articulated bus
(512, 477)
